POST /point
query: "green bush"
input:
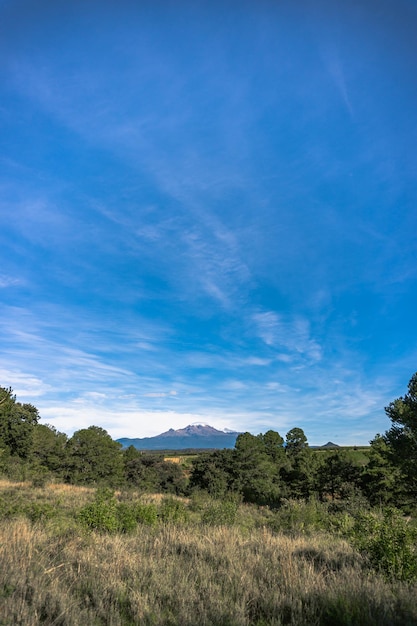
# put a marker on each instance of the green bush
(108, 515)
(40, 511)
(11, 507)
(146, 514)
(299, 516)
(220, 513)
(389, 541)
(126, 517)
(173, 511)
(101, 514)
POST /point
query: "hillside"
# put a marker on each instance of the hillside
(195, 436)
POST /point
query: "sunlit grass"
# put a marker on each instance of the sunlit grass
(52, 572)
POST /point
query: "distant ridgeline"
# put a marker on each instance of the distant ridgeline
(195, 436)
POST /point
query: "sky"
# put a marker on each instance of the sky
(208, 213)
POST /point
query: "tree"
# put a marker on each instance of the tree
(381, 479)
(296, 442)
(17, 423)
(213, 472)
(337, 475)
(274, 447)
(402, 436)
(257, 476)
(49, 449)
(300, 475)
(151, 473)
(94, 458)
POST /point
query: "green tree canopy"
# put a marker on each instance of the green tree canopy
(213, 472)
(300, 475)
(381, 479)
(94, 458)
(257, 475)
(402, 436)
(17, 423)
(274, 446)
(151, 472)
(49, 448)
(337, 475)
(296, 441)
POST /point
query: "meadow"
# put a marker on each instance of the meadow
(75, 555)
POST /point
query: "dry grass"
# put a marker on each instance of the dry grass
(185, 576)
(168, 575)
(6, 484)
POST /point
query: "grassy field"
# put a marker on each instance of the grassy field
(192, 570)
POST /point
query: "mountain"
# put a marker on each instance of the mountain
(197, 436)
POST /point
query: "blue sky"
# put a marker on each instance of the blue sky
(208, 212)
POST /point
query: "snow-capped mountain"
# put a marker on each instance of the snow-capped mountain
(202, 430)
(193, 436)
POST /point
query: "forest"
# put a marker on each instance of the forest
(269, 511)
(262, 469)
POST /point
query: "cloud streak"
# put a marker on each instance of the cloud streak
(205, 223)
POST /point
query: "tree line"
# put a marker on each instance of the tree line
(263, 469)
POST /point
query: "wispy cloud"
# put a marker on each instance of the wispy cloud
(9, 281)
(292, 334)
(190, 232)
(160, 394)
(25, 385)
(335, 69)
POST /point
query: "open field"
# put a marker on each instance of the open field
(53, 571)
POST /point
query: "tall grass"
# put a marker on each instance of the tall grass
(53, 572)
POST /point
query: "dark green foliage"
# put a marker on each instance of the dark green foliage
(213, 472)
(389, 540)
(257, 476)
(401, 439)
(94, 458)
(170, 478)
(139, 470)
(17, 423)
(220, 513)
(16, 505)
(274, 447)
(337, 475)
(300, 471)
(127, 517)
(173, 511)
(49, 450)
(299, 517)
(40, 511)
(149, 472)
(381, 479)
(296, 442)
(263, 472)
(12, 506)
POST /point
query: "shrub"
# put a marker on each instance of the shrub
(389, 543)
(11, 507)
(146, 514)
(126, 517)
(173, 511)
(220, 513)
(40, 511)
(101, 514)
(299, 516)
